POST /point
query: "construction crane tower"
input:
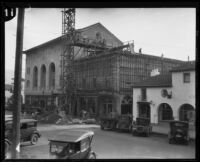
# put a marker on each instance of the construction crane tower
(68, 83)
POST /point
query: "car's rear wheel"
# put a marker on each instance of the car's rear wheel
(34, 139)
(92, 156)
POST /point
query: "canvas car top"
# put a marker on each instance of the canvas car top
(22, 120)
(72, 136)
(179, 123)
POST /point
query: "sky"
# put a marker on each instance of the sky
(167, 31)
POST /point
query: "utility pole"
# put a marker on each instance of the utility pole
(15, 148)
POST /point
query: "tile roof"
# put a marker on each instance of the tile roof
(188, 66)
(164, 80)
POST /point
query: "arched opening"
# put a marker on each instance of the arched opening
(43, 77)
(28, 84)
(52, 75)
(126, 105)
(35, 77)
(165, 112)
(186, 113)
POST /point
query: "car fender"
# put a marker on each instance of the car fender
(35, 132)
(7, 140)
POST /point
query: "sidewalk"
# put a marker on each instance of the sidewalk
(163, 128)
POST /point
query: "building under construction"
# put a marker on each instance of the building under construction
(87, 69)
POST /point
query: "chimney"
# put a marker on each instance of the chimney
(140, 50)
(188, 58)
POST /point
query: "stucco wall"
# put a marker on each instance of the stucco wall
(182, 93)
(44, 56)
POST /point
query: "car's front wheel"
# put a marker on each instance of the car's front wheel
(92, 156)
(7, 149)
(34, 139)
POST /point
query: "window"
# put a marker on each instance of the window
(94, 82)
(28, 70)
(31, 124)
(186, 77)
(83, 83)
(24, 126)
(35, 77)
(143, 94)
(52, 75)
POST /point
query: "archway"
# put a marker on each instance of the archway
(186, 113)
(35, 77)
(165, 112)
(43, 77)
(52, 75)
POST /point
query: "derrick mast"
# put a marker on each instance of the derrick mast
(68, 83)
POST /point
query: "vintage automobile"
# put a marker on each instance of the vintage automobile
(109, 121)
(124, 123)
(72, 144)
(142, 126)
(179, 132)
(28, 130)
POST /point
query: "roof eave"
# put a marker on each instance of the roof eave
(156, 86)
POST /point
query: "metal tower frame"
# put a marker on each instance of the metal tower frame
(67, 59)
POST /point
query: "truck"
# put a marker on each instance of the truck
(116, 122)
(109, 121)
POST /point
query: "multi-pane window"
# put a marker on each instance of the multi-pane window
(186, 77)
(143, 94)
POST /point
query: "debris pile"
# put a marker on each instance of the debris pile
(51, 118)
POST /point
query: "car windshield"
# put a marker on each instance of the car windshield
(60, 149)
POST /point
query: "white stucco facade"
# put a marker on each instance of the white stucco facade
(182, 93)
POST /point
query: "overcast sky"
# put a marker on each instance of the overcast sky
(170, 31)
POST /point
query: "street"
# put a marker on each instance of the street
(116, 145)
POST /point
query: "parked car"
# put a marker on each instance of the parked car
(28, 132)
(179, 132)
(142, 126)
(72, 144)
(109, 121)
(124, 123)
